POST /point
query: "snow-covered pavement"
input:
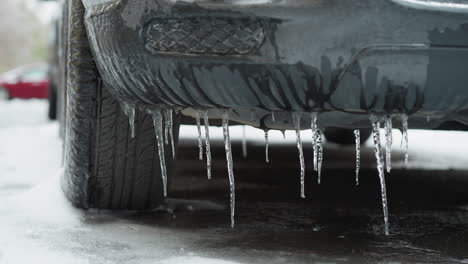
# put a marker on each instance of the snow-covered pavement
(37, 224)
(30, 147)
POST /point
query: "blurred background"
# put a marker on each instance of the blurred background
(28, 30)
(25, 32)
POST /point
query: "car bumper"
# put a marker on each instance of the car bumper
(341, 58)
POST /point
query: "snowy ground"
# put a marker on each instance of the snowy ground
(337, 223)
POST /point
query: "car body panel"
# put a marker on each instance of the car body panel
(344, 59)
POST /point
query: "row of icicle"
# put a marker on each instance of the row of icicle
(163, 124)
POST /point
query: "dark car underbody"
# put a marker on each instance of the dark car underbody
(134, 66)
(342, 59)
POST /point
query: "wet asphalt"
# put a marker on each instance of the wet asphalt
(338, 222)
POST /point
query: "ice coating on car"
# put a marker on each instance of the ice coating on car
(319, 144)
(244, 141)
(404, 138)
(388, 142)
(228, 149)
(129, 110)
(207, 144)
(200, 141)
(253, 115)
(158, 129)
(380, 166)
(267, 159)
(357, 140)
(297, 124)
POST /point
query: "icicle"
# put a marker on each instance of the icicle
(266, 147)
(207, 145)
(388, 142)
(273, 117)
(297, 124)
(380, 166)
(320, 154)
(313, 121)
(129, 110)
(200, 142)
(284, 133)
(404, 138)
(170, 124)
(158, 127)
(313, 127)
(166, 126)
(227, 147)
(357, 139)
(244, 142)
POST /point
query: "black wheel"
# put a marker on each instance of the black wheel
(62, 57)
(345, 136)
(4, 95)
(52, 113)
(104, 166)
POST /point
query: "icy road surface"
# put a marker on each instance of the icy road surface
(338, 222)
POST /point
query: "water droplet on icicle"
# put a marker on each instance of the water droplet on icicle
(313, 127)
(404, 138)
(319, 144)
(227, 147)
(297, 125)
(380, 166)
(129, 110)
(388, 142)
(357, 139)
(266, 147)
(158, 128)
(200, 141)
(207, 144)
(244, 142)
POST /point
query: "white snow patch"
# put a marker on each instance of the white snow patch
(30, 147)
(23, 113)
(195, 260)
(44, 203)
(431, 150)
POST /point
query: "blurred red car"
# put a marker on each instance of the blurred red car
(30, 81)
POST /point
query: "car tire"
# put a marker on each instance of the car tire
(62, 50)
(344, 136)
(104, 166)
(52, 111)
(4, 95)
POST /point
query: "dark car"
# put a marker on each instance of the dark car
(25, 82)
(331, 66)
